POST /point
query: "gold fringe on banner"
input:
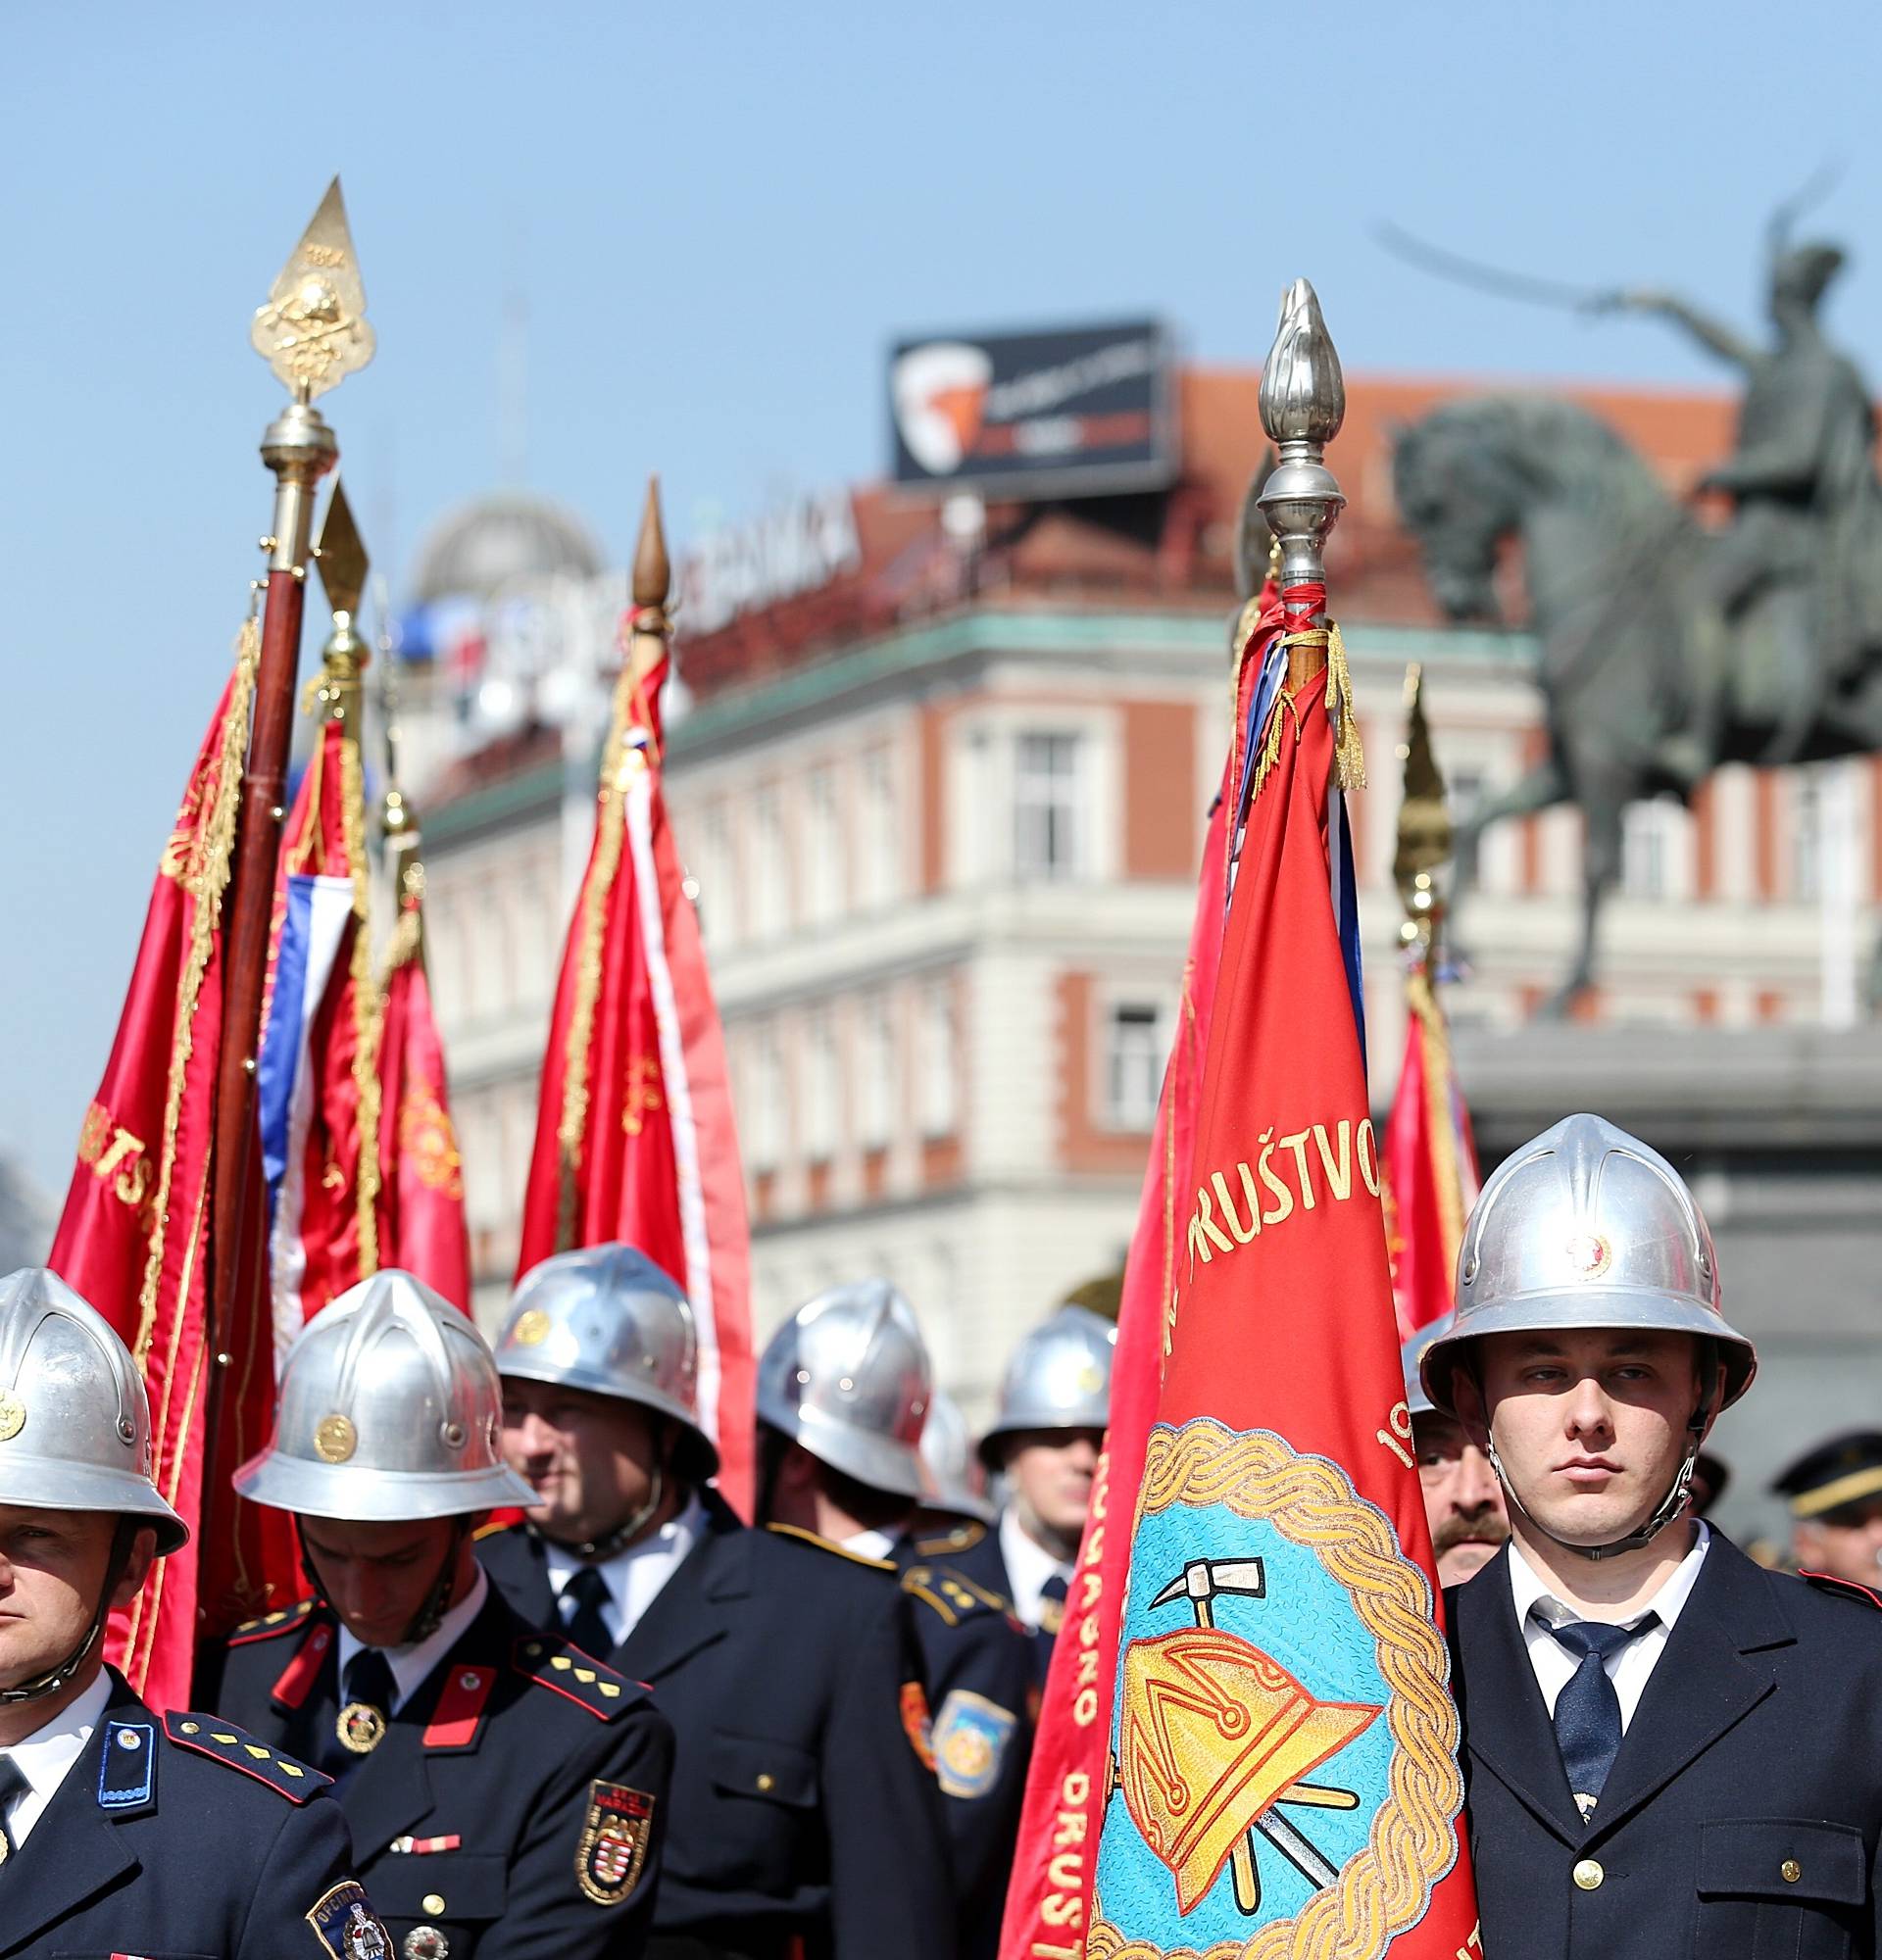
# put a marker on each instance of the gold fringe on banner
(365, 1019)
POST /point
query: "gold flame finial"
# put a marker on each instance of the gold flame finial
(653, 570)
(312, 332)
(1425, 823)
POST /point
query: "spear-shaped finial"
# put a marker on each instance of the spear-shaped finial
(342, 561)
(1424, 825)
(651, 581)
(311, 330)
(1302, 405)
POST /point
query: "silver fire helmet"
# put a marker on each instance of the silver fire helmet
(947, 1452)
(75, 1421)
(1586, 1227)
(1412, 1353)
(848, 1377)
(605, 1318)
(388, 1411)
(1059, 1378)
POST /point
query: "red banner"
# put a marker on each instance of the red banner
(1284, 1743)
(133, 1237)
(1068, 1774)
(634, 1136)
(1430, 1163)
(422, 1226)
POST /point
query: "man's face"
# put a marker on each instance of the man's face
(589, 1458)
(1845, 1542)
(377, 1576)
(1051, 1472)
(52, 1570)
(1462, 1499)
(1590, 1422)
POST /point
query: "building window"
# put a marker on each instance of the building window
(1650, 838)
(940, 1111)
(875, 1076)
(881, 839)
(767, 1078)
(771, 908)
(711, 870)
(1806, 834)
(824, 870)
(1134, 1054)
(1047, 772)
(821, 1089)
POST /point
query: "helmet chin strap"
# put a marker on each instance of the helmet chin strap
(595, 1549)
(51, 1682)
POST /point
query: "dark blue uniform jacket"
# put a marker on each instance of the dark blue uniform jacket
(801, 1808)
(978, 1664)
(180, 1836)
(1741, 1818)
(517, 1803)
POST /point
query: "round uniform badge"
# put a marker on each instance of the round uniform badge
(359, 1727)
(425, 1942)
(12, 1417)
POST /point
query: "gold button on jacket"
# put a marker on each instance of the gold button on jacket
(1588, 1875)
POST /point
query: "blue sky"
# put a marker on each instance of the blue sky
(716, 217)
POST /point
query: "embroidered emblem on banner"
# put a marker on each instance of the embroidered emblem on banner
(348, 1927)
(970, 1736)
(1284, 1736)
(614, 1842)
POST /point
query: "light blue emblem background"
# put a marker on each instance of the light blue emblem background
(1307, 1624)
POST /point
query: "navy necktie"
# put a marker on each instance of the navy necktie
(587, 1626)
(1587, 1710)
(13, 1783)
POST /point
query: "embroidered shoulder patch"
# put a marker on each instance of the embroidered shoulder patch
(347, 1926)
(573, 1674)
(830, 1544)
(971, 1738)
(127, 1770)
(271, 1624)
(210, 1736)
(614, 1842)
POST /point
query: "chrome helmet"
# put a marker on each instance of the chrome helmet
(388, 1411)
(1586, 1227)
(848, 1377)
(1059, 1378)
(75, 1420)
(606, 1319)
(1410, 1354)
(947, 1455)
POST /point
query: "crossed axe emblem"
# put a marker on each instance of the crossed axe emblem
(1202, 1582)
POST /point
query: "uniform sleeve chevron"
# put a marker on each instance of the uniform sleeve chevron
(576, 1675)
(222, 1743)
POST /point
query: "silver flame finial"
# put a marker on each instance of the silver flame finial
(1302, 405)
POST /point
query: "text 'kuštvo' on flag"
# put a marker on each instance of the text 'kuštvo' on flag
(1069, 1775)
(133, 1237)
(634, 1135)
(1284, 1745)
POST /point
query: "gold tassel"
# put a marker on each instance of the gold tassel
(1349, 758)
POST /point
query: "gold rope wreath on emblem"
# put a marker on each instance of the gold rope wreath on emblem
(1413, 1839)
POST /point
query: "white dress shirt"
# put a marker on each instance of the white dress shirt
(1028, 1566)
(873, 1544)
(411, 1665)
(48, 1753)
(1631, 1668)
(633, 1577)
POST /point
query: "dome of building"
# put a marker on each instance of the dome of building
(494, 542)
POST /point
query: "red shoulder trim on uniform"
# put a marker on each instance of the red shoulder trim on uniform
(459, 1715)
(1843, 1585)
(303, 1670)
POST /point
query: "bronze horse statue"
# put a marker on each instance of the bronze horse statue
(1646, 684)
